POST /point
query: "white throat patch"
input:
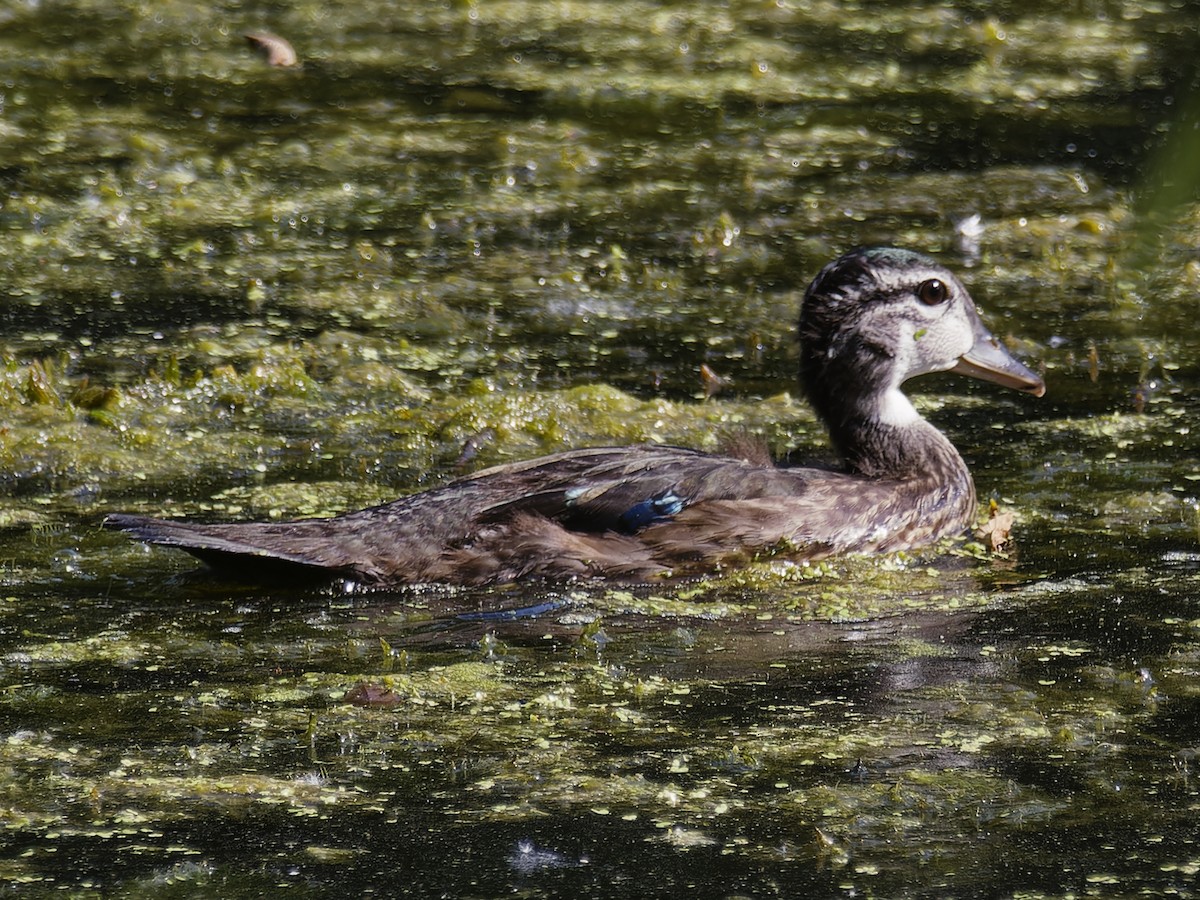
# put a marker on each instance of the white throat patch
(897, 410)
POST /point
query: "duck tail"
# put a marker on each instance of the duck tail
(287, 550)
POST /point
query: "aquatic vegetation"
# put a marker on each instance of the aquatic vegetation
(463, 233)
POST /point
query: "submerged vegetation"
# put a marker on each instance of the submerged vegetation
(463, 233)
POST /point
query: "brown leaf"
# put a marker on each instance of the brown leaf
(367, 694)
(996, 532)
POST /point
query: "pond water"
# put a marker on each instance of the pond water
(463, 233)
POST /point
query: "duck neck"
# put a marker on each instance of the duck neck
(883, 436)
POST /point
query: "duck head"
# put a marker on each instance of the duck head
(876, 317)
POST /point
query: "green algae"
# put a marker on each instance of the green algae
(533, 735)
(546, 737)
(467, 233)
(224, 421)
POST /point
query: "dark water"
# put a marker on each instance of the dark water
(233, 291)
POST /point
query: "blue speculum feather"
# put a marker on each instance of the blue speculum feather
(652, 511)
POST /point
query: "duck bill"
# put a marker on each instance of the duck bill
(988, 361)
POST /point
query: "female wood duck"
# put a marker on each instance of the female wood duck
(870, 321)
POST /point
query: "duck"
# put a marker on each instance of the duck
(871, 319)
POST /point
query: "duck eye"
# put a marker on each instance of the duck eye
(933, 292)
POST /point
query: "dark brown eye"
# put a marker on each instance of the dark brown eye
(933, 292)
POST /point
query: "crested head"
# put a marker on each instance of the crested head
(874, 286)
(877, 316)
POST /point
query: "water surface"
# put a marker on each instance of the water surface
(466, 233)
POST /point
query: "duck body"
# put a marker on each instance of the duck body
(870, 320)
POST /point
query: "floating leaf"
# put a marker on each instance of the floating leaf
(996, 532)
(368, 694)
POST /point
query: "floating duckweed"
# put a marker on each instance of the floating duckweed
(239, 290)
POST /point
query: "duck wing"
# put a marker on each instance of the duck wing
(620, 489)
